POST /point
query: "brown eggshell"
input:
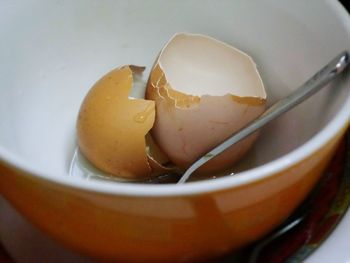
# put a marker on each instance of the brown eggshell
(188, 126)
(111, 128)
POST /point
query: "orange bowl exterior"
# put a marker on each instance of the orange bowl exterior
(112, 227)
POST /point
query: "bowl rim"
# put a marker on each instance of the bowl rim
(315, 143)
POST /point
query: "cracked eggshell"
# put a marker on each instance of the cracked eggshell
(205, 90)
(111, 127)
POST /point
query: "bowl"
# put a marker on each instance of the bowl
(51, 56)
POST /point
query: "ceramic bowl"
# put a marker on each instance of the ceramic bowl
(53, 51)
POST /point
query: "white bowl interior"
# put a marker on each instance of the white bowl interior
(52, 52)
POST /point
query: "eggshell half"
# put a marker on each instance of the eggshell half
(111, 127)
(205, 90)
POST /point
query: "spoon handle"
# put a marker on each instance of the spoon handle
(310, 87)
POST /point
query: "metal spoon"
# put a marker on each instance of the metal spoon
(314, 84)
